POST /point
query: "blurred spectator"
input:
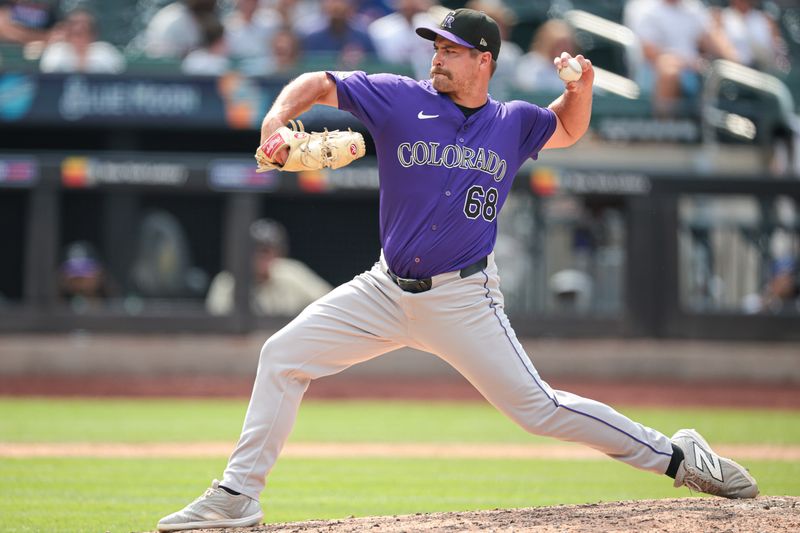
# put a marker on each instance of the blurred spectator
(396, 41)
(755, 37)
(249, 30)
(634, 11)
(371, 10)
(27, 21)
(781, 293)
(211, 59)
(571, 290)
(284, 52)
(510, 52)
(79, 50)
(281, 286)
(675, 36)
(299, 15)
(163, 266)
(782, 290)
(83, 281)
(282, 56)
(535, 70)
(340, 33)
(177, 28)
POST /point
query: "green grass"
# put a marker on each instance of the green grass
(72, 494)
(114, 420)
(79, 495)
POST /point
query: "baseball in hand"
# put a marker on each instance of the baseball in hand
(571, 72)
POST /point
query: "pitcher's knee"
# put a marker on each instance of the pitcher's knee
(534, 425)
(537, 420)
(279, 358)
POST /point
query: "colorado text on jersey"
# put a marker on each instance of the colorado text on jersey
(451, 156)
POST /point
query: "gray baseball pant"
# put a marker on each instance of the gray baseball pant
(462, 321)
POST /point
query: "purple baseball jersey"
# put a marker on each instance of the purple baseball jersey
(443, 177)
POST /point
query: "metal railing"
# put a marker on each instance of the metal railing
(616, 34)
(722, 71)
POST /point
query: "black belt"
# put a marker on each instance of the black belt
(426, 284)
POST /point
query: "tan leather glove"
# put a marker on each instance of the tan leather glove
(309, 151)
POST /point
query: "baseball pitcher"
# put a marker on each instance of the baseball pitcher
(447, 154)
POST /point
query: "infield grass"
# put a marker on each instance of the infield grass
(122, 495)
(176, 420)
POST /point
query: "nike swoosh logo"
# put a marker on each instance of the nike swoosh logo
(423, 116)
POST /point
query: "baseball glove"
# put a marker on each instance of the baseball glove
(310, 151)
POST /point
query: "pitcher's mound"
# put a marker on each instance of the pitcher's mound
(763, 514)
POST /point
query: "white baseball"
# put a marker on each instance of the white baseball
(572, 72)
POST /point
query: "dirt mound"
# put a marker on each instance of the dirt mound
(763, 514)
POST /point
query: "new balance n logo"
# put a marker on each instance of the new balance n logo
(711, 462)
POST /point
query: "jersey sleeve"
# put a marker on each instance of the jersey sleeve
(368, 97)
(537, 125)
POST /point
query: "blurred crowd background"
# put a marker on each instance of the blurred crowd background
(662, 45)
(700, 94)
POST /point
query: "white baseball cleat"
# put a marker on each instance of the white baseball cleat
(215, 508)
(703, 470)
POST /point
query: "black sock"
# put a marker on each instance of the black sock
(234, 493)
(674, 463)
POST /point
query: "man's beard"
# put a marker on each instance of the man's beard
(444, 82)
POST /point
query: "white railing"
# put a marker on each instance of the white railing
(619, 35)
(723, 71)
(720, 71)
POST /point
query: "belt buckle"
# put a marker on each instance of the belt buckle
(413, 285)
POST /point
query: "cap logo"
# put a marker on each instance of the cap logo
(483, 42)
(448, 20)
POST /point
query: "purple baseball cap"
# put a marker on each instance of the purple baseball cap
(81, 260)
(467, 27)
(80, 267)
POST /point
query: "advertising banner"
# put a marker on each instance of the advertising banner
(230, 101)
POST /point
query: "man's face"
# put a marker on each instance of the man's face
(782, 285)
(453, 67)
(88, 285)
(247, 7)
(338, 10)
(80, 28)
(262, 262)
(284, 47)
